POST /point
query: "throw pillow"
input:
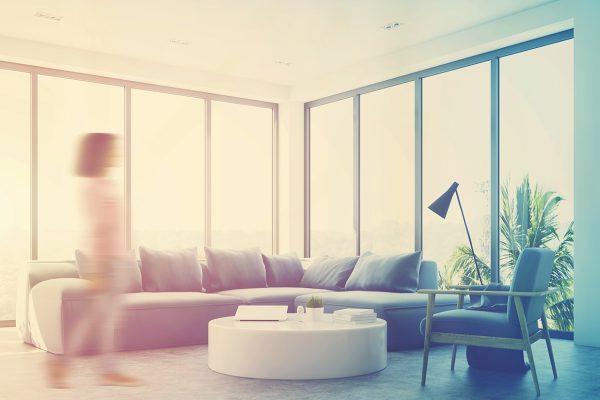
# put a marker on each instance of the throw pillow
(398, 273)
(171, 270)
(328, 273)
(283, 270)
(206, 282)
(125, 272)
(235, 269)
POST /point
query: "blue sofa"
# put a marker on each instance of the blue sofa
(51, 297)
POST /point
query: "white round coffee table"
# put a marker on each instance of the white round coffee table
(294, 349)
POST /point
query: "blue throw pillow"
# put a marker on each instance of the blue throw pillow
(398, 273)
(283, 270)
(170, 270)
(235, 269)
(328, 273)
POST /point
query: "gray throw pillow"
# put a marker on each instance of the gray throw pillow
(171, 270)
(125, 271)
(328, 273)
(283, 270)
(235, 269)
(397, 273)
(206, 282)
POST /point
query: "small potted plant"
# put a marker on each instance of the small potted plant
(314, 308)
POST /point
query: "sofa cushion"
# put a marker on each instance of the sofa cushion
(126, 272)
(151, 319)
(271, 295)
(170, 271)
(379, 301)
(235, 269)
(474, 322)
(283, 270)
(151, 300)
(397, 273)
(328, 273)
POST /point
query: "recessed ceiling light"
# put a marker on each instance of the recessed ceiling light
(284, 63)
(179, 42)
(391, 25)
(50, 17)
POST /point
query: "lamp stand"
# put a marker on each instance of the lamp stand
(469, 236)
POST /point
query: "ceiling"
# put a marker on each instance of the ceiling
(278, 41)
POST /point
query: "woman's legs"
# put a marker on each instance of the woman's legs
(98, 322)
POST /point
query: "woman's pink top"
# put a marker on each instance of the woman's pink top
(104, 212)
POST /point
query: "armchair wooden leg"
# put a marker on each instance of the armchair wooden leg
(549, 344)
(428, 323)
(459, 305)
(526, 342)
(454, 346)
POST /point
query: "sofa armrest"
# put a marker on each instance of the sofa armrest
(46, 308)
(30, 275)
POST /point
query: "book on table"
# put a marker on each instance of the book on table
(354, 311)
(358, 322)
(362, 317)
(355, 315)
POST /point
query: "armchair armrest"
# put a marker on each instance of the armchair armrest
(466, 287)
(487, 292)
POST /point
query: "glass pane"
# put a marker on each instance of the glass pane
(241, 176)
(536, 158)
(67, 110)
(14, 190)
(387, 162)
(456, 147)
(167, 170)
(331, 179)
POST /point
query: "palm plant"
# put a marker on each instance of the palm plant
(530, 219)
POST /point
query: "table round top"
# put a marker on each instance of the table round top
(294, 323)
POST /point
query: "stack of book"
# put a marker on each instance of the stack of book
(355, 315)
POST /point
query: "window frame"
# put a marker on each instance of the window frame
(417, 77)
(127, 85)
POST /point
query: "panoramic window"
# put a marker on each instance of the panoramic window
(241, 176)
(332, 229)
(387, 170)
(14, 190)
(167, 170)
(536, 165)
(456, 147)
(67, 110)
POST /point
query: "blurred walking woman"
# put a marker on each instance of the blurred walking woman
(105, 251)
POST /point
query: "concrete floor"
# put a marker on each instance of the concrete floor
(182, 374)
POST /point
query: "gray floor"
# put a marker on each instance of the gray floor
(182, 374)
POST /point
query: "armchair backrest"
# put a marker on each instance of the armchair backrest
(532, 274)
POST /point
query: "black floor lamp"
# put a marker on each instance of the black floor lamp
(440, 207)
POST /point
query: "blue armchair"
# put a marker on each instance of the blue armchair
(515, 329)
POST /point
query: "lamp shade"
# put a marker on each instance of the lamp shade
(441, 205)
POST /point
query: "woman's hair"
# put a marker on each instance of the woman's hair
(94, 152)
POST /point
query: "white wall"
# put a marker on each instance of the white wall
(587, 184)
(52, 56)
